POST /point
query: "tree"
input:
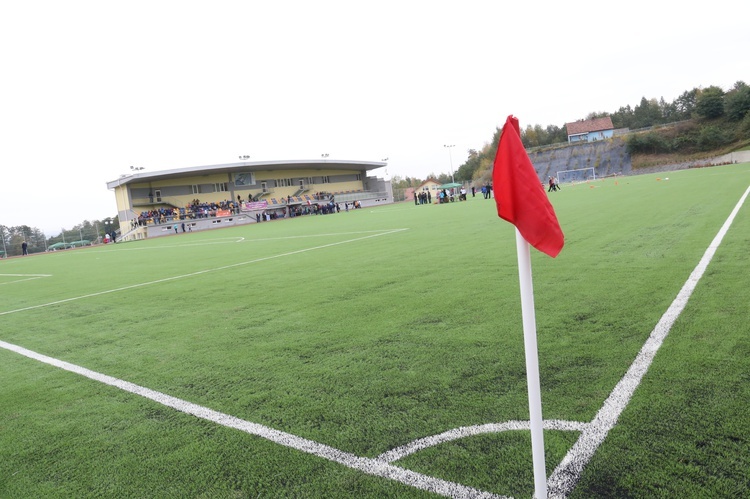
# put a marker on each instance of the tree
(737, 101)
(13, 238)
(399, 182)
(444, 178)
(466, 171)
(646, 114)
(4, 237)
(710, 103)
(596, 114)
(668, 111)
(556, 134)
(623, 117)
(483, 175)
(530, 136)
(685, 104)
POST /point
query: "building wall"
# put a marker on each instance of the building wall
(600, 135)
(430, 186)
(591, 136)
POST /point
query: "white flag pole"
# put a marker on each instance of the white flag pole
(532, 366)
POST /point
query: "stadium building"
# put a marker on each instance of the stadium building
(158, 203)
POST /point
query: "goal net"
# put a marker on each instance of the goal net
(580, 175)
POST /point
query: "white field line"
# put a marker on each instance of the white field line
(228, 240)
(566, 475)
(322, 234)
(470, 431)
(370, 466)
(219, 240)
(27, 277)
(200, 272)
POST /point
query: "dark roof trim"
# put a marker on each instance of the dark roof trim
(246, 166)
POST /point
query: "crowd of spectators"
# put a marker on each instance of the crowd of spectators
(195, 209)
(322, 208)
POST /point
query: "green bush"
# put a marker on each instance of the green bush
(743, 131)
(712, 137)
(648, 143)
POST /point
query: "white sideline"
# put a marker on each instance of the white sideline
(199, 272)
(367, 465)
(566, 475)
(27, 277)
(238, 239)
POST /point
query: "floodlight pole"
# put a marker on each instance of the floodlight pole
(450, 156)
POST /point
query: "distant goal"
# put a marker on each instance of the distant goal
(575, 176)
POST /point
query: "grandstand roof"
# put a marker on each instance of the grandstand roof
(246, 166)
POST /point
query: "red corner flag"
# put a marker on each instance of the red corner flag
(519, 194)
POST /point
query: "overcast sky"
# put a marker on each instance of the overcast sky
(90, 88)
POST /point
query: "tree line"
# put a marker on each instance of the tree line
(13, 237)
(705, 119)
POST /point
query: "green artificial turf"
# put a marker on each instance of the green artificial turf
(370, 329)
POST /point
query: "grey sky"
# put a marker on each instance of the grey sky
(90, 88)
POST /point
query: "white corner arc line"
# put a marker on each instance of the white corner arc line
(565, 477)
(200, 272)
(470, 431)
(370, 466)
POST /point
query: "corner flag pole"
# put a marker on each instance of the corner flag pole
(532, 366)
(521, 200)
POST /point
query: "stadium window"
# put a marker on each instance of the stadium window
(221, 187)
(196, 189)
(326, 180)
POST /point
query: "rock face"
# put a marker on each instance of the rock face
(607, 157)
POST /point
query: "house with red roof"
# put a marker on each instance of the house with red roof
(590, 130)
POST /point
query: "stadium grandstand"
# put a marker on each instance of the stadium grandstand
(163, 202)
